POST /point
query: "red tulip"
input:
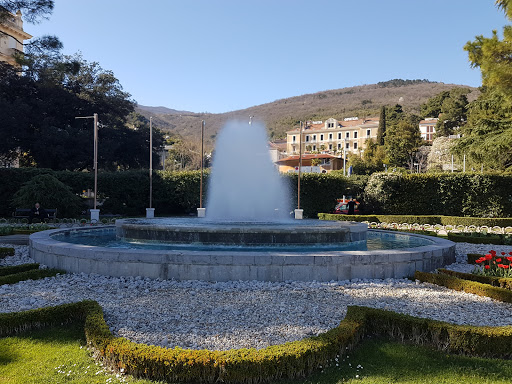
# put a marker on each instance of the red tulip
(487, 267)
(488, 256)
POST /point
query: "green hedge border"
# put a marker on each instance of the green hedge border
(468, 286)
(495, 281)
(422, 219)
(15, 274)
(290, 360)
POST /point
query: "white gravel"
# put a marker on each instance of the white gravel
(198, 314)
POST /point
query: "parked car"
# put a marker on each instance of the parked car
(342, 208)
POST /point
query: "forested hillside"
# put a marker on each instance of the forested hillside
(281, 115)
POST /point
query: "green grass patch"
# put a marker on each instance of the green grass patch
(58, 355)
(385, 362)
(53, 355)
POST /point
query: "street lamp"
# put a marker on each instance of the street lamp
(95, 213)
(201, 212)
(344, 156)
(150, 212)
(298, 211)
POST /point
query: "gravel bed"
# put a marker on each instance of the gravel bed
(198, 314)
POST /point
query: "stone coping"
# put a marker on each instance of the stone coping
(274, 265)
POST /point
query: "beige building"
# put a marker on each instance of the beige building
(332, 136)
(12, 37)
(428, 128)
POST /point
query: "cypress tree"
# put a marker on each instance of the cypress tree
(381, 133)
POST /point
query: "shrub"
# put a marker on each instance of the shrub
(51, 193)
(12, 269)
(457, 284)
(290, 360)
(501, 282)
(32, 274)
(466, 194)
(5, 251)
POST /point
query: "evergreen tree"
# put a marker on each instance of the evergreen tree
(402, 141)
(381, 132)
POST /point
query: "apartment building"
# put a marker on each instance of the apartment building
(12, 36)
(333, 136)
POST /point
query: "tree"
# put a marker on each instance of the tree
(39, 110)
(487, 137)
(33, 10)
(402, 141)
(453, 112)
(433, 106)
(381, 132)
(494, 56)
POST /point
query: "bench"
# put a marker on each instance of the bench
(24, 213)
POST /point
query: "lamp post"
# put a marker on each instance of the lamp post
(201, 212)
(299, 212)
(150, 212)
(95, 213)
(345, 156)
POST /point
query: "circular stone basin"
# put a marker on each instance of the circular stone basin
(202, 231)
(239, 262)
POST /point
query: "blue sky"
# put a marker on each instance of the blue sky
(223, 55)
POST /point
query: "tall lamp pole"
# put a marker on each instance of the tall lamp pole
(150, 212)
(298, 211)
(95, 213)
(201, 212)
(202, 166)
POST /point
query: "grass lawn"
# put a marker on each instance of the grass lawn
(51, 356)
(57, 355)
(383, 362)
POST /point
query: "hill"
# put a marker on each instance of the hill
(282, 115)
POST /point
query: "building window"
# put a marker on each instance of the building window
(355, 134)
(293, 148)
(321, 137)
(330, 147)
(339, 146)
(347, 145)
(293, 139)
(368, 132)
(330, 136)
(314, 147)
(355, 145)
(307, 138)
(314, 137)
(347, 135)
(339, 136)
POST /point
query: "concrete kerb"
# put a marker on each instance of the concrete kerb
(239, 265)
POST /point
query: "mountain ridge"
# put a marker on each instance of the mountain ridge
(284, 114)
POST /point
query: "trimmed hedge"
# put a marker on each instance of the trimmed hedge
(495, 281)
(495, 342)
(12, 269)
(479, 238)
(6, 251)
(452, 194)
(289, 360)
(33, 274)
(422, 219)
(473, 257)
(17, 322)
(457, 284)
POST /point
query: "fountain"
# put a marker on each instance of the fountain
(247, 233)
